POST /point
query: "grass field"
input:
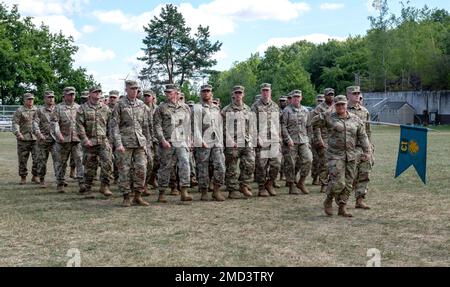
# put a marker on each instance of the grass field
(409, 222)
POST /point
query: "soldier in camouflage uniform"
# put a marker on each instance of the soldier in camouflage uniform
(172, 126)
(26, 141)
(268, 162)
(298, 156)
(148, 101)
(93, 122)
(238, 145)
(208, 140)
(321, 146)
(43, 131)
(113, 97)
(67, 140)
(130, 129)
(315, 169)
(345, 132)
(363, 167)
(84, 97)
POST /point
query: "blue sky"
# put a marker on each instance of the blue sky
(109, 33)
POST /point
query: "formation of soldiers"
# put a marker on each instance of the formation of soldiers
(137, 144)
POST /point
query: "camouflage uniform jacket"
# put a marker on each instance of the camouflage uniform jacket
(22, 123)
(93, 123)
(64, 122)
(170, 117)
(240, 111)
(130, 124)
(151, 114)
(271, 109)
(207, 123)
(364, 115)
(42, 123)
(322, 108)
(294, 125)
(344, 134)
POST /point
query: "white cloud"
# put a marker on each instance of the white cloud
(221, 16)
(280, 42)
(221, 55)
(57, 23)
(88, 29)
(47, 7)
(88, 54)
(331, 6)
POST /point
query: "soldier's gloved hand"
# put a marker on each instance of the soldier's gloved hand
(121, 149)
(165, 144)
(20, 137)
(365, 157)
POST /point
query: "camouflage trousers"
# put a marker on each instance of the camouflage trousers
(341, 178)
(322, 166)
(246, 157)
(298, 159)
(315, 163)
(93, 157)
(63, 151)
(192, 164)
(150, 162)
(266, 168)
(168, 158)
(45, 149)
(132, 165)
(24, 148)
(363, 169)
(206, 157)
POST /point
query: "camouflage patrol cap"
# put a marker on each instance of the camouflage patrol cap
(289, 96)
(206, 87)
(238, 88)
(49, 94)
(131, 84)
(296, 93)
(69, 91)
(190, 103)
(85, 94)
(353, 89)
(148, 93)
(340, 99)
(265, 86)
(27, 96)
(114, 93)
(170, 88)
(282, 99)
(320, 97)
(328, 91)
(95, 89)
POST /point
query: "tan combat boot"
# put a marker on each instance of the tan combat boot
(217, 195)
(316, 181)
(275, 185)
(328, 205)
(270, 187)
(343, 210)
(292, 188)
(89, 194)
(245, 190)
(262, 192)
(126, 200)
(23, 180)
(204, 192)
(35, 179)
(42, 183)
(234, 195)
(323, 189)
(185, 194)
(72, 172)
(174, 191)
(146, 192)
(104, 189)
(301, 185)
(161, 197)
(360, 203)
(137, 199)
(60, 188)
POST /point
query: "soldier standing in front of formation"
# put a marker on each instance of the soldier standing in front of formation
(42, 129)
(93, 122)
(172, 129)
(67, 140)
(363, 167)
(298, 156)
(130, 131)
(26, 141)
(238, 145)
(315, 169)
(208, 132)
(322, 145)
(268, 162)
(345, 132)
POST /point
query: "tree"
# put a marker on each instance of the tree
(172, 55)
